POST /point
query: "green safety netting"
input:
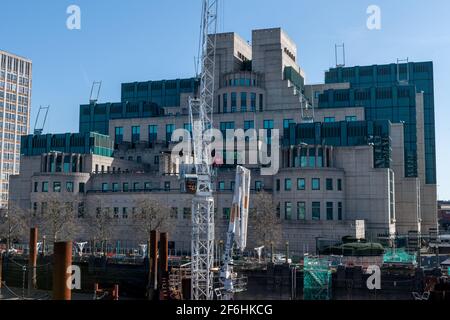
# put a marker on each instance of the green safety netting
(399, 256)
(316, 279)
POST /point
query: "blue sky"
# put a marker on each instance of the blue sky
(137, 40)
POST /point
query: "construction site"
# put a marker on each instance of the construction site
(156, 275)
(351, 263)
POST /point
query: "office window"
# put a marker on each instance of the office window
(116, 213)
(232, 183)
(56, 186)
(330, 211)
(250, 124)
(278, 210)
(135, 134)
(124, 213)
(186, 213)
(319, 162)
(339, 184)
(167, 186)
(329, 183)
(36, 186)
(339, 210)
(312, 157)
(301, 184)
(104, 187)
(125, 187)
(118, 134)
(243, 101)
(174, 213)
(315, 184)
(287, 122)
(152, 133)
(156, 160)
(350, 118)
(35, 208)
(147, 186)
(98, 212)
(221, 186)
(187, 127)
(44, 208)
(268, 125)
(287, 184)
(218, 103)
(258, 186)
(81, 210)
(315, 211)
(252, 102)
(136, 186)
(81, 187)
(225, 103)
(288, 210)
(115, 187)
(303, 158)
(226, 213)
(66, 165)
(278, 184)
(45, 186)
(261, 102)
(329, 119)
(69, 186)
(59, 163)
(301, 210)
(233, 102)
(224, 126)
(170, 128)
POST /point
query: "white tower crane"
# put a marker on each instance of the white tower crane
(201, 111)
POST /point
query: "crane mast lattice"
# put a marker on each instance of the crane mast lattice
(201, 117)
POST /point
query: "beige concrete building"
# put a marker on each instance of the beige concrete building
(345, 169)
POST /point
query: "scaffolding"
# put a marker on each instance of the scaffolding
(316, 279)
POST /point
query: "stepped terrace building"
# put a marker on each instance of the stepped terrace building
(360, 162)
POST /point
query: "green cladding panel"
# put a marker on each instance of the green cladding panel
(342, 134)
(83, 143)
(419, 76)
(139, 100)
(396, 104)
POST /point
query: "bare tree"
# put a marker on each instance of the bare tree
(151, 215)
(14, 224)
(57, 219)
(100, 226)
(264, 224)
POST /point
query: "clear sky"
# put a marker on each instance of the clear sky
(138, 40)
